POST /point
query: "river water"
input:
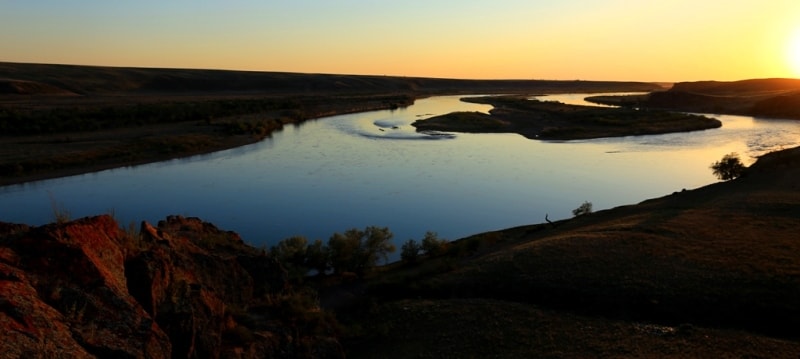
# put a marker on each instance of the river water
(358, 170)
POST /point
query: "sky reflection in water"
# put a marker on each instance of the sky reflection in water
(357, 170)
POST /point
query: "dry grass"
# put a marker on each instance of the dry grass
(725, 256)
(486, 328)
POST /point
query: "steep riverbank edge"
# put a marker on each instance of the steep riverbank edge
(708, 272)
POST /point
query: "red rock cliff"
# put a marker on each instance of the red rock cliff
(183, 289)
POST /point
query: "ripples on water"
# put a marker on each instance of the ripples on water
(356, 170)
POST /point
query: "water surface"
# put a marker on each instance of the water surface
(357, 170)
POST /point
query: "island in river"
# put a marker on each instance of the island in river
(549, 120)
(60, 120)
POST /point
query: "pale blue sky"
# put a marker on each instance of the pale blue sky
(571, 39)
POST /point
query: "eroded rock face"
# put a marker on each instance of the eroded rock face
(71, 276)
(183, 289)
(31, 327)
(185, 286)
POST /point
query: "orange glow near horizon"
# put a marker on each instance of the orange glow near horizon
(679, 40)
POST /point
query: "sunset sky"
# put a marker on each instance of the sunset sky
(674, 40)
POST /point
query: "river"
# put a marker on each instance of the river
(358, 170)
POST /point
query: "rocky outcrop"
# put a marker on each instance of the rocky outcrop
(182, 289)
(72, 277)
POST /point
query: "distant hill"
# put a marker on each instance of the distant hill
(96, 80)
(779, 98)
(753, 87)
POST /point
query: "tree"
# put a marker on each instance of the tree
(358, 251)
(378, 244)
(729, 167)
(291, 253)
(432, 245)
(410, 251)
(584, 208)
(318, 257)
(344, 250)
(291, 250)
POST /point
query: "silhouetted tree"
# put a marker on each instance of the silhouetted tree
(358, 251)
(432, 245)
(318, 257)
(729, 167)
(584, 208)
(409, 252)
(378, 244)
(291, 253)
(344, 250)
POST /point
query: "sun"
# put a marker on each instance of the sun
(794, 53)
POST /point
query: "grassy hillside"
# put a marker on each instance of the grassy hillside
(777, 98)
(711, 272)
(751, 87)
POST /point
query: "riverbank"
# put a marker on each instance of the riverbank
(545, 120)
(709, 272)
(29, 159)
(60, 120)
(77, 145)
